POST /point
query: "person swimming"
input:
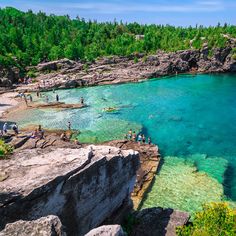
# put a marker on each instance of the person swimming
(82, 100)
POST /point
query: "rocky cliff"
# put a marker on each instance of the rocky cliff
(66, 73)
(8, 76)
(80, 186)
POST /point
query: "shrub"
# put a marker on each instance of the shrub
(234, 56)
(31, 74)
(215, 219)
(5, 149)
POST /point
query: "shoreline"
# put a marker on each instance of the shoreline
(7, 103)
(17, 104)
(32, 88)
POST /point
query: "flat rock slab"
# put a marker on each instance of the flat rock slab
(61, 105)
(28, 170)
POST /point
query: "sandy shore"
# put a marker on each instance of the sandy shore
(8, 102)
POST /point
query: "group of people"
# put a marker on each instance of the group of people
(26, 80)
(140, 138)
(5, 128)
(38, 133)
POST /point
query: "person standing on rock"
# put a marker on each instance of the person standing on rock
(31, 98)
(149, 140)
(26, 102)
(15, 129)
(47, 99)
(69, 125)
(139, 138)
(134, 137)
(57, 98)
(143, 139)
(130, 134)
(4, 128)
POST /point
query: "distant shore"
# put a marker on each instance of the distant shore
(7, 103)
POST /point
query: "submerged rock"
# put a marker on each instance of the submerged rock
(45, 226)
(82, 186)
(180, 186)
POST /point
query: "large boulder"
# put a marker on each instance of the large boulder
(56, 65)
(107, 230)
(45, 226)
(158, 221)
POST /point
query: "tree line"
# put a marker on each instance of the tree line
(27, 38)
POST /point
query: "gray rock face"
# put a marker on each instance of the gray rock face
(107, 230)
(56, 65)
(80, 186)
(8, 76)
(158, 221)
(66, 73)
(45, 226)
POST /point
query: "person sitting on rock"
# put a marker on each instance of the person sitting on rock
(134, 136)
(34, 134)
(76, 141)
(63, 136)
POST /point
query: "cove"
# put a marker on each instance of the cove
(192, 118)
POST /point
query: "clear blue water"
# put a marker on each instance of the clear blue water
(185, 115)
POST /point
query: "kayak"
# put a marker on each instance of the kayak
(110, 109)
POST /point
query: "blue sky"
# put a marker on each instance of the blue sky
(174, 12)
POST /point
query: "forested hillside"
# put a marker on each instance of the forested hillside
(28, 38)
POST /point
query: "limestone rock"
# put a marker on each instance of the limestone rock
(119, 69)
(82, 186)
(56, 65)
(107, 230)
(45, 226)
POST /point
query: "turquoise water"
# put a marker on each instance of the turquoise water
(185, 115)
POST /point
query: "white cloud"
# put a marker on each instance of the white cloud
(111, 8)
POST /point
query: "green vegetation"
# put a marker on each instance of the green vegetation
(5, 149)
(234, 53)
(27, 38)
(129, 222)
(215, 219)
